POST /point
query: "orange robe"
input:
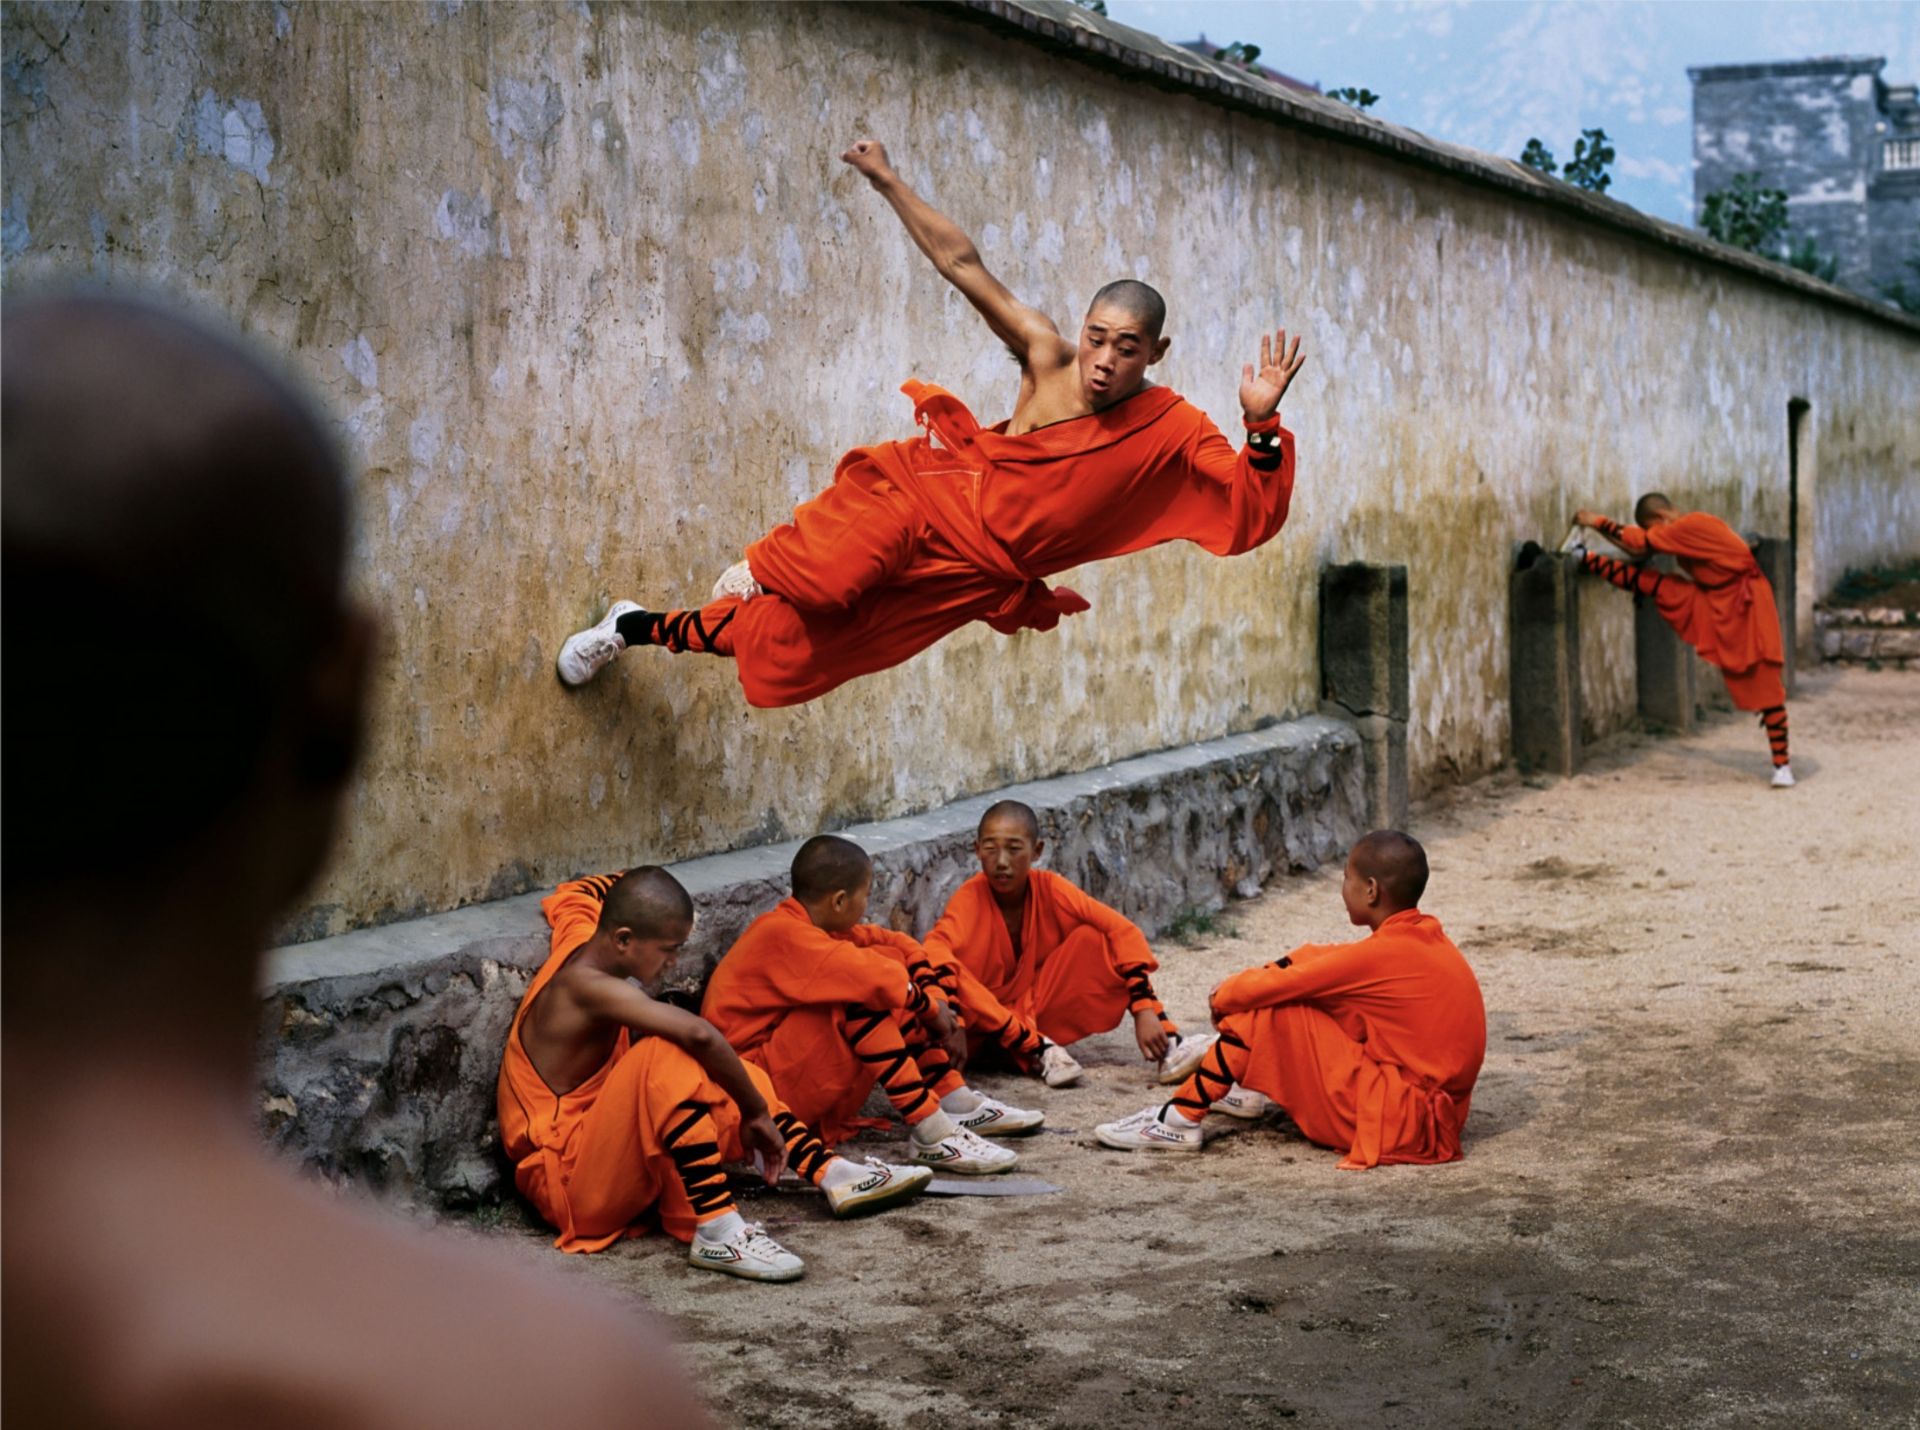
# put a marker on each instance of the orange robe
(593, 1161)
(915, 539)
(1725, 610)
(1371, 1047)
(781, 996)
(1070, 977)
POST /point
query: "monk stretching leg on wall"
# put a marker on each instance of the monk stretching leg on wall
(916, 539)
(1371, 1048)
(1037, 962)
(1725, 611)
(614, 1106)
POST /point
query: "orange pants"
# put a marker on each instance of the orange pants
(1076, 989)
(825, 1059)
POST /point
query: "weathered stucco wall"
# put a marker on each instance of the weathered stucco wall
(596, 304)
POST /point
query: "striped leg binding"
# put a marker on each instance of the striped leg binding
(1219, 1070)
(1140, 995)
(876, 1042)
(806, 1153)
(1774, 721)
(933, 1060)
(1021, 1039)
(704, 630)
(1641, 580)
(694, 1144)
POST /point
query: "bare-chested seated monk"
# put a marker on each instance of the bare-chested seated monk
(916, 539)
(1723, 607)
(1038, 962)
(617, 1109)
(168, 797)
(830, 1006)
(1372, 1048)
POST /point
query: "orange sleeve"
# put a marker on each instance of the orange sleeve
(1233, 501)
(1311, 971)
(573, 909)
(1700, 537)
(971, 997)
(1630, 539)
(1130, 946)
(909, 951)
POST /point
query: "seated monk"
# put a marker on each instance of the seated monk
(828, 1006)
(1037, 962)
(163, 1270)
(916, 539)
(1371, 1048)
(1723, 607)
(616, 1107)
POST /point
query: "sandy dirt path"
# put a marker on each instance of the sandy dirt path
(1691, 1194)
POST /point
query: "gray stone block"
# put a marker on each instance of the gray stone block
(1664, 666)
(1544, 674)
(1363, 676)
(1776, 557)
(379, 1049)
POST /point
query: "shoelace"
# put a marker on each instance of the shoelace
(754, 1239)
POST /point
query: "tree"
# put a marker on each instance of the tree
(1538, 156)
(1806, 256)
(1098, 7)
(1588, 167)
(1238, 53)
(1359, 98)
(1745, 215)
(1904, 293)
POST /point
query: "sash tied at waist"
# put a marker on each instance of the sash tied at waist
(1383, 1087)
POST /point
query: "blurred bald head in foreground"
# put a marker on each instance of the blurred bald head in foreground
(184, 685)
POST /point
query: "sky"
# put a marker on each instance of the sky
(1493, 73)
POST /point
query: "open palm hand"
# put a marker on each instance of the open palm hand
(1261, 389)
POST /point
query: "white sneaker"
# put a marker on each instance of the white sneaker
(1148, 1131)
(965, 1154)
(1244, 1103)
(587, 652)
(1184, 1056)
(884, 1186)
(749, 1253)
(737, 580)
(995, 1117)
(1783, 777)
(1058, 1068)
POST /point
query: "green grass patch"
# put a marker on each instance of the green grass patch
(1191, 926)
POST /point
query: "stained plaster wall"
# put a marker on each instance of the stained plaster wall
(595, 305)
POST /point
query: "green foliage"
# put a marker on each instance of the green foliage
(1588, 167)
(1238, 53)
(1538, 156)
(1098, 7)
(1190, 925)
(1359, 97)
(1745, 215)
(1807, 257)
(1873, 585)
(1903, 293)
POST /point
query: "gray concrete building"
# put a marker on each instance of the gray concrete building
(1842, 143)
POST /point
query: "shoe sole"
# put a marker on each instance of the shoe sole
(1117, 1145)
(739, 1273)
(1170, 1078)
(1068, 1081)
(900, 1190)
(961, 1169)
(1001, 1129)
(1241, 1114)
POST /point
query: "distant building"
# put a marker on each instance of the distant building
(1207, 48)
(1844, 145)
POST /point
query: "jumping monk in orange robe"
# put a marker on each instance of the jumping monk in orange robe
(915, 539)
(614, 1106)
(1371, 1048)
(829, 1006)
(1725, 610)
(1037, 962)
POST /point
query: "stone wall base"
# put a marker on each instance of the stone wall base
(379, 1049)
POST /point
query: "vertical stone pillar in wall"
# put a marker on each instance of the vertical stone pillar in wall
(1776, 558)
(1709, 688)
(1544, 673)
(1663, 665)
(1363, 676)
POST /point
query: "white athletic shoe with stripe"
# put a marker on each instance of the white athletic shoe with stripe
(737, 580)
(884, 1185)
(587, 652)
(1244, 1103)
(995, 1118)
(965, 1154)
(1783, 777)
(748, 1253)
(1148, 1130)
(1058, 1067)
(1184, 1056)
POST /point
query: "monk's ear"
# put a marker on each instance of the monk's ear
(1373, 892)
(1159, 350)
(1039, 847)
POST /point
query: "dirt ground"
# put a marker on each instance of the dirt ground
(1691, 1194)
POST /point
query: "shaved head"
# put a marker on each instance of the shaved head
(174, 497)
(1396, 862)
(1649, 506)
(827, 864)
(650, 901)
(1012, 809)
(1138, 301)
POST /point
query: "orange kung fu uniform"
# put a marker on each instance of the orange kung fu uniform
(595, 1161)
(1725, 610)
(791, 999)
(915, 539)
(1081, 967)
(1371, 1047)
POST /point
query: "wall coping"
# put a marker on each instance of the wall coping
(1063, 27)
